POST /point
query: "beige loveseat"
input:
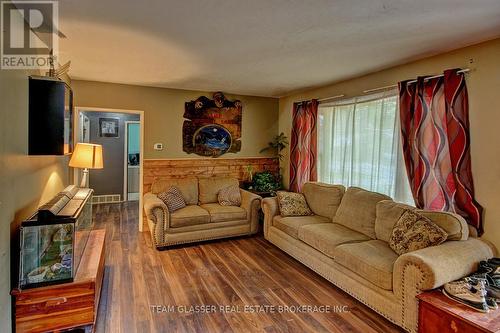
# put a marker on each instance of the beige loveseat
(346, 242)
(203, 218)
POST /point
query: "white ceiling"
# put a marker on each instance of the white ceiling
(261, 47)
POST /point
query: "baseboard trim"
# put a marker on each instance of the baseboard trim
(106, 198)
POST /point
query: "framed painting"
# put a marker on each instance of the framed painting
(108, 127)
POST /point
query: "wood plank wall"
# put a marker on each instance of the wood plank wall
(235, 167)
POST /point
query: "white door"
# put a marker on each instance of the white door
(132, 160)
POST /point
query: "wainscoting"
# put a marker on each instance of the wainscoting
(179, 168)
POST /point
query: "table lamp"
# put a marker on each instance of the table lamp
(86, 156)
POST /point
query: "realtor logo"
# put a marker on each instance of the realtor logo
(29, 37)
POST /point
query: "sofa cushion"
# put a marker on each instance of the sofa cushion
(325, 237)
(229, 196)
(293, 204)
(209, 187)
(173, 199)
(291, 224)
(455, 225)
(189, 215)
(323, 199)
(357, 210)
(413, 232)
(219, 213)
(389, 212)
(373, 260)
(187, 186)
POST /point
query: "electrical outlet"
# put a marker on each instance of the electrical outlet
(158, 146)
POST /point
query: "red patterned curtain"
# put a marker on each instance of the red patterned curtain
(303, 144)
(434, 117)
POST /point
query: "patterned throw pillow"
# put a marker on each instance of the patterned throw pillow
(293, 204)
(229, 196)
(173, 199)
(414, 231)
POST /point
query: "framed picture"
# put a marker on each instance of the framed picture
(108, 127)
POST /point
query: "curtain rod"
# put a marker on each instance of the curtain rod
(330, 98)
(465, 70)
(322, 100)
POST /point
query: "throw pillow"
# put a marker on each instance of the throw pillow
(414, 231)
(293, 204)
(173, 199)
(229, 196)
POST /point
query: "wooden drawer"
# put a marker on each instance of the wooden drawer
(55, 321)
(36, 307)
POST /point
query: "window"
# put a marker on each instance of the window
(359, 145)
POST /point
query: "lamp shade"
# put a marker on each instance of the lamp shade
(87, 155)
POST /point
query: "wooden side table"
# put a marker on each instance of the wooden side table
(262, 194)
(440, 314)
(67, 305)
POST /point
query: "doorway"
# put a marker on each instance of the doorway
(113, 129)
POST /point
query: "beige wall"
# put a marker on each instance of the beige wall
(483, 84)
(26, 182)
(163, 115)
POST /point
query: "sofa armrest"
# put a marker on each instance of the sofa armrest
(440, 264)
(154, 207)
(270, 209)
(251, 203)
(432, 267)
(158, 216)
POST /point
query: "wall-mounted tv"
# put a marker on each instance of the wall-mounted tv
(50, 117)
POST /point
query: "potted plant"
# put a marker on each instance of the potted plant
(278, 144)
(266, 183)
(248, 183)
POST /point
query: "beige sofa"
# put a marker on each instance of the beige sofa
(346, 242)
(203, 218)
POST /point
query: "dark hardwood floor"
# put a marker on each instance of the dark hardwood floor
(239, 274)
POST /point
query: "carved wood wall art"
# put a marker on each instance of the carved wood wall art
(212, 126)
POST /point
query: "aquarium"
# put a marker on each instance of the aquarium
(53, 239)
(47, 253)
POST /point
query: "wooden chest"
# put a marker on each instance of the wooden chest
(67, 305)
(440, 314)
